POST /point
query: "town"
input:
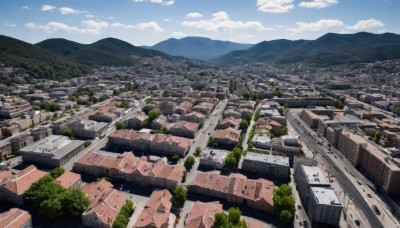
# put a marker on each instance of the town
(125, 148)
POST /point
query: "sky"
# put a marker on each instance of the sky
(147, 22)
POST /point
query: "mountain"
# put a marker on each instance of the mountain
(108, 51)
(198, 47)
(37, 61)
(329, 49)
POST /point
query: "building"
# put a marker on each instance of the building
(227, 137)
(159, 122)
(233, 113)
(236, 189)
(5, 149)
(202, 214)
(13, 186)
(136, 121)
(54, 150)
(213, 158)
(349, 144)
(167, 107)
(156, 213)
(59, 125)
(41, 133)
(21, 141)
(268, 165)
(149, 143)
(106, 117)
(229, 122)
(262, 142)
(129, 168)
(105, 204)
(69, 180)
(12, 108)
(184, 129)
(319, 199)
(87, 129)
(15, 218)
(195, 117)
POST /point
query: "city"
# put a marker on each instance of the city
(282, 133)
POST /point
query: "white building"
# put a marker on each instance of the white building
(265, 164)
(213, 158)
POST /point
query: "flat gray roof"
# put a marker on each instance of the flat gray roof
(315, 176)
(326, 196)
(272, 159)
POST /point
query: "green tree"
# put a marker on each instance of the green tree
(184, 176)
(283, 130)
(230, 161)
(67, 132)
(278, 93)
(234, 215)
(377, 137)
(198, 151)
(175, 158)
(285, 216)
(246, 95)
(120, 125)
(244, 125)
(210, 141)
(75, 201)
(237, 152)
(179, 195)
(248, 117)
(55, 173)
(189, 162)
(123, 104)
(284, 201)
(153, 114)
(87, 143)
(221, 220)
(122, 219)
(51, 207)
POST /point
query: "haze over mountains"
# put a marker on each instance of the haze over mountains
(198, 47)
(63, 57)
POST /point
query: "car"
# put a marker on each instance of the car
(369, 195)
(376, 209)
(298, 206)
(358, 182)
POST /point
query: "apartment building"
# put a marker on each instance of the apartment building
(87, 129)
(12, 108)
(226, 137)
(349, 144)
(213, 158)
(184, 129)
(202, 214)
(15, 218)
(271, 166)
(149, 143)
(236, 189)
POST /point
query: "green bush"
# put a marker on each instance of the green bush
(122, 219)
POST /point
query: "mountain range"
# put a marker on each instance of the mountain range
(330, 49)
(198, 47)
(61, 58)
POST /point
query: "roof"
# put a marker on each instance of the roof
(105, 201)
(325, 196)
(202, 215)
(314, 175)
(157, 210)
(266, 158)
(68, 179)
(14, 218)
(230, 133)
(189, 126)
(22, 181)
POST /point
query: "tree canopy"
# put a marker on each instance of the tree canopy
(55, 173)
(189, 162)
(229, 220)
(284, 203)
(179, 195)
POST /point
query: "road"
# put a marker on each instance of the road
(342, 179)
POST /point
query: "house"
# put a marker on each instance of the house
(105, 204)
(13, 186)
(230, 112)
(184, 129)
(136, 121)
(106, 117)
(213, 158)
(202, 214)
(156, 213)
(69, 180)
(87, 129)
(195, 117)
(229, 122)
(226, 137)
(15, 218)
(159, 122)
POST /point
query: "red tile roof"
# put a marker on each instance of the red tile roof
(14, 218)
(157, 210)
(202, 215)
(24, 179)
(68, 179)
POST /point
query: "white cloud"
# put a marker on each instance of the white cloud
(48, 8)
(89, 27)
(194, 15)
(316, 26)
(67, 10)
(151, 25)
(220, 21)
(26, 8)
(163, 2)
(366, 24)
(89, 16)
(95, 25)
(318, 3)
(111, 18)
(167, 20)
(11, 25)
(275, 6)
(177, 35)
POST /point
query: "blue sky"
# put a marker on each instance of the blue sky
(146, 22)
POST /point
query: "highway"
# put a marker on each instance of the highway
(307, 136)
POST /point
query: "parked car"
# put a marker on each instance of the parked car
(357, 222)
(376, 209)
